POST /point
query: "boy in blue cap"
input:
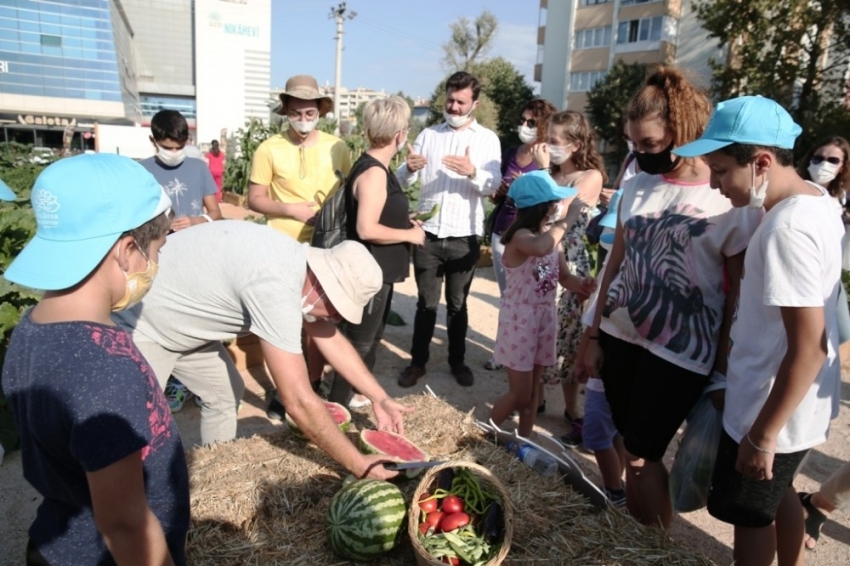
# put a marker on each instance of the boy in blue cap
(97, 439)
(783, 372)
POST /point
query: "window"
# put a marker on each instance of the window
(593, 37)
(645, 29)
(51, 40)
(630, 2)
(594, 2)
(585, 80)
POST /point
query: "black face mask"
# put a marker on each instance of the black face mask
(657, 163)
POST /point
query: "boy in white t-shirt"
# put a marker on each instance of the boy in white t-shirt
(783, 372)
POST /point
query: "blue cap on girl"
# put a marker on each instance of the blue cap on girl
(538, 187)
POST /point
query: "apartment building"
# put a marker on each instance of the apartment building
(580, 40)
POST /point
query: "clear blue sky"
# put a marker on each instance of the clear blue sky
(392, 44)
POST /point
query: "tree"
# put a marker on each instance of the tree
(793, 51)
(469, 41)
(606, 102)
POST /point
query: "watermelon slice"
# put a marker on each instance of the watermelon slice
(338, 413)
(395, 446)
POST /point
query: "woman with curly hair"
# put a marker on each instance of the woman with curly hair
(572, 160)
(676, 240)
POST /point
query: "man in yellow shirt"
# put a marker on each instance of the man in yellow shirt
(293, 172)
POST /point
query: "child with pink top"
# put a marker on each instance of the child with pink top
(534, 265)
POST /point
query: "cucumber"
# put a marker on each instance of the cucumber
(425, 216)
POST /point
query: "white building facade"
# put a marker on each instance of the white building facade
(232, 64)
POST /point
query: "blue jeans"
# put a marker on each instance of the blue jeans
(365, 338)
(453, 259)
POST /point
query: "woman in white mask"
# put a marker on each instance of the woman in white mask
(827, 165)
(531, 130)
(572, 159)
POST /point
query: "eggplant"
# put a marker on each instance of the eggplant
(493, 523)
(444, 480)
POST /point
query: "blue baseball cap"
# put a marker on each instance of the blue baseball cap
(6, 193)
(82, 206)
(537, 187)
(751, 120)
(610, 218)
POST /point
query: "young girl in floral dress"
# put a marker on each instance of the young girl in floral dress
(573, 161)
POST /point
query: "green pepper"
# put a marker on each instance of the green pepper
(425, 216)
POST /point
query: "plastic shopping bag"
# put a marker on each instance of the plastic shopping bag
(690, 477)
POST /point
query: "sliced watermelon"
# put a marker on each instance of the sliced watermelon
(338, 413)
(395, 446)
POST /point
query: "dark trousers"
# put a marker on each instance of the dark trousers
(453, 259)
(365, 338)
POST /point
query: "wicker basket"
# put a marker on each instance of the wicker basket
(426, 484)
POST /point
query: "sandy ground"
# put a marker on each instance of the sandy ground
(18, 501)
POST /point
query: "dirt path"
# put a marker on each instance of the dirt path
(698, 530)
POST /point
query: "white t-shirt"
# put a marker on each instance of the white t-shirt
(671, 280)
(794, 260)
(220, 280)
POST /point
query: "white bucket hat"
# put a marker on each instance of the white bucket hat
(349, 275)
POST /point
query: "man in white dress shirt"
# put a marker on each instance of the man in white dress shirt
(458, 164)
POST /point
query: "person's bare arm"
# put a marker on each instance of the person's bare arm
(129, 528)
(289, 373)
(805, 328)
(589, 187)
(370, 190)
(259, 201)
(734, 269)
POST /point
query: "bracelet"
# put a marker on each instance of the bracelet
(754, 445)
(206, 217)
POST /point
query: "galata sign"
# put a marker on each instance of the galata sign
(30, 120)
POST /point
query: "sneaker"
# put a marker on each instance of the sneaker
(616, 497)
(176, 394)
(356, 403)
(463, 375)
(275, 411)
(492, 365)
(410, 376)
(573, 438)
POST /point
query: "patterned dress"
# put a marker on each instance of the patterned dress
(570, 308)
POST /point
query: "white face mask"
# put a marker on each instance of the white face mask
(823, 173)
(526, 134)
(558, 153)
(170, 157)
(304, 128)
(456, 121)
(306, 309)
(757, 196)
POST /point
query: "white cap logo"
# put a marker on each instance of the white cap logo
(46, 205)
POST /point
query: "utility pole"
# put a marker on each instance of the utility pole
(340, 13)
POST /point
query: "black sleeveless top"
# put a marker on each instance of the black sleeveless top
(394, 259)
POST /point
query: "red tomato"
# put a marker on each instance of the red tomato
(452, 504)
(454, 521)
(424, 528)
(454, 560)
(434, 519)
(427, 506)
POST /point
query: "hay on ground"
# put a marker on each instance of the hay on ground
(263, 500)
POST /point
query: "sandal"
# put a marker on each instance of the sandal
(814, 517)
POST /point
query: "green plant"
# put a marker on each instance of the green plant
(17, 226)
(237, 171)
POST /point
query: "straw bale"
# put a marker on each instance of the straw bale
(263, 500)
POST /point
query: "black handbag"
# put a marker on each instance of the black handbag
(594, 230)
(331, 227)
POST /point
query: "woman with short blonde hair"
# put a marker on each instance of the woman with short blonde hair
(378, 218)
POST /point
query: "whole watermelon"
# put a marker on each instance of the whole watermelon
(366, 519)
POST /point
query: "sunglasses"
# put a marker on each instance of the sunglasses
(532, 123)
(816, 159)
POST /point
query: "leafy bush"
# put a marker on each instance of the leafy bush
(17, 226)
